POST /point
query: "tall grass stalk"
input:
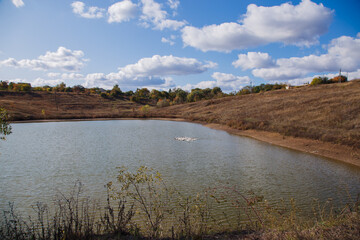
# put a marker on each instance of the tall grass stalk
(145, 207)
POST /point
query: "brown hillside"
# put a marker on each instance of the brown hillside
(330, 113)
(48, 105)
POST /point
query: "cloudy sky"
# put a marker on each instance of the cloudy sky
(164, 44)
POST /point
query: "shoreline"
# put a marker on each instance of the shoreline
(339, 153)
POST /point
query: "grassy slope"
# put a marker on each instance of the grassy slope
(329, 113)
(45, 105)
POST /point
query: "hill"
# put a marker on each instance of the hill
(39, 105)
(329, 113)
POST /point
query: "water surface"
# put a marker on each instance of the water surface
(40, 160)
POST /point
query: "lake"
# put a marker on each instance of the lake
(39, 160)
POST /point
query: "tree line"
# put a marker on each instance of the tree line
(161, 98)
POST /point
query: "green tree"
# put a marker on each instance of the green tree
(319, 80)
(155, 94)
(196, 95)
(78, 88)
(245, 90)
(143, 93)
(4, 85)
(181, 96)
(25, 87)
(116, 92)
(216, 91)
(60, 87)
(129, 93)
(5, 128)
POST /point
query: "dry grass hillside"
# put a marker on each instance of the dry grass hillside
(48, 105)
(329, 113)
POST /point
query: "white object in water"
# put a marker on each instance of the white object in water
(185, 139)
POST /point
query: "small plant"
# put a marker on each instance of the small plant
(103, 95)
(145, 108)
(146, 190)
(5, 128)
(143, 198)
(163, 103)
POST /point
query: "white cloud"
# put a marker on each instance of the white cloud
(227, 82)
(91, 12)
(42, 82)
(166, 40)
(18, 80)
(253, 60)
(170, 40)
(63, 59)
(227, 78)
(18, 3)
(174, 4)
(152, 14)
(165, 66)
(154, 71)
(53, 75)
(343, 52)
(230, 82)
(122, 11)
(72, 76)
(107, 81)
(66, 76)
(299, 25)
(98, 80)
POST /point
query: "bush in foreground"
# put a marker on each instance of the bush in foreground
(149, 209)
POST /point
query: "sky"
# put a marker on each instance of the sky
(165, 44)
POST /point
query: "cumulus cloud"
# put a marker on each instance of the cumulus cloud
(227, 78)
(298, 25)
(165, 66)
(66, 76)
(152, 14)
(53, 75)
(230, 82)
(91, 12)
(63, 59)
(253, 60)
(342, 54)
(18, 3)
(154, 71)
(122, 11)
(227, 82)
(109, 80)
(42, 82)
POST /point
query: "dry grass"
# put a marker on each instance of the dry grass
(329, 113)
(149, 209)
(48, 105)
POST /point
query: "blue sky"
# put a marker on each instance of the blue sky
(164, 44)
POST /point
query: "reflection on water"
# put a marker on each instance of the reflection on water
(40, 160)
